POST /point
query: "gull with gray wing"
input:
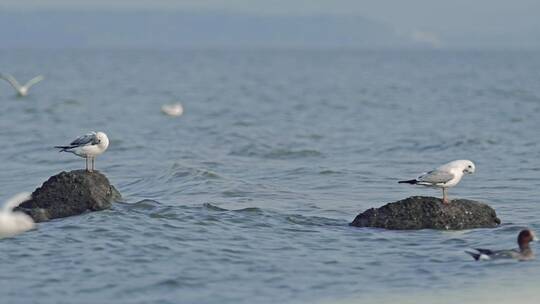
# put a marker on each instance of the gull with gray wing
(88, 146)
(444, 177)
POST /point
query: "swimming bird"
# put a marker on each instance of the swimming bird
(524, 252)
(444, 177)
(22, 90)
(88, 146)
(13, 223)
(172, 109)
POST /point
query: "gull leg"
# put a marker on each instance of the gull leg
(93, 163)
(86, 162)
(445, 196)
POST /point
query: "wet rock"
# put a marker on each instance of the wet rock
(70, 193)
(421, 212)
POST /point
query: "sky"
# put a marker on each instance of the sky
(435, 22)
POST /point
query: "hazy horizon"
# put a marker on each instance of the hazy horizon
(417, 23)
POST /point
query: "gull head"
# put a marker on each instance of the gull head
(102, 140)
(467, 166)
(23, 91)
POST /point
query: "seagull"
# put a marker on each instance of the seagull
(22, 90)
(12, 223)
(523, 253)
(172, 109)
(88, 146)
(446, 176)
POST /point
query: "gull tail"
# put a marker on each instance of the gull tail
(411, 181)
(63, 148)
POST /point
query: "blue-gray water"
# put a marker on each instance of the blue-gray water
(247, 197)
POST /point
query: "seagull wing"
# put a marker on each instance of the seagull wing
(16, 201)
(435, 177)
(33, 81)
(12, 81)
(84, 140)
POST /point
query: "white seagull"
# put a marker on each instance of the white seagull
(13, 223)
(446, 176)
(172, 109)
(88, 146)
(22, 90)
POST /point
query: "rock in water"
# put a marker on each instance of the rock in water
(70, 193)
(421, 212)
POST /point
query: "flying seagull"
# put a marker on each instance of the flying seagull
(446, 176)
(88, 146)
(523, 253)
(12, 223)
(22, 90)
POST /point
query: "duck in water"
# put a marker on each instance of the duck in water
(523, 253)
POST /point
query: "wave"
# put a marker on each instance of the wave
(262, 151)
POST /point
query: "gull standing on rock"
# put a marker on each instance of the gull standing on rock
(446, 176)
(12, 223)
(88, 146)
(22, 90)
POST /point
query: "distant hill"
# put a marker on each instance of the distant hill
(61, 29)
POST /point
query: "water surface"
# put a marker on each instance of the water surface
(247, 197)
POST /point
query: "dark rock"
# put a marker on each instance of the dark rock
(70, 193)
(421, 212)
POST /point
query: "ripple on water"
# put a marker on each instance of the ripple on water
(269, 152)
(212, 207)
(178, 171)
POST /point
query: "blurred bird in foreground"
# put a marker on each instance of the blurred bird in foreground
(13, 223)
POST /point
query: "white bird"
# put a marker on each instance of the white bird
(22, 90)
(445, 176)
(13, 223)
(172, 109)
(87, 146)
